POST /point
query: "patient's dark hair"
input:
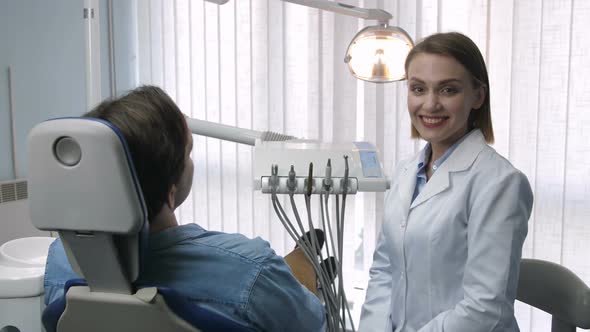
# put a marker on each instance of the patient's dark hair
(156, 133)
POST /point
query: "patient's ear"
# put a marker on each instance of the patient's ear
(170, 200)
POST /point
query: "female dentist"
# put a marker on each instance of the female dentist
(455, 219)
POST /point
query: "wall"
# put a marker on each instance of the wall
(43, 43)
(16, 221)
(124, 44)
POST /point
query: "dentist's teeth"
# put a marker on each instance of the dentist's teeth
(432, 120)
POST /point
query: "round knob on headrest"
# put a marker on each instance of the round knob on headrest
(67, 151)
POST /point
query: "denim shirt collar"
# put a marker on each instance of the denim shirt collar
(173, 235)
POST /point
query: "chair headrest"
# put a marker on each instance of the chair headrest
(82, 178)
(82, 183)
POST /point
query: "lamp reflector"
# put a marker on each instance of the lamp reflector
(378, 53)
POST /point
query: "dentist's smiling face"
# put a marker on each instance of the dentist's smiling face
(441, 95)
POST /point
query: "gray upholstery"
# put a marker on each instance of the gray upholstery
(557, 291)
(100, 312)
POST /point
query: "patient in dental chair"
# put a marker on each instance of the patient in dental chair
(239, 277)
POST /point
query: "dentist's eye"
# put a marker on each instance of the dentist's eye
(449, 90)
(417, 89)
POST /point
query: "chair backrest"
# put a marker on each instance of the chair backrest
(82, 183)
(557, 291)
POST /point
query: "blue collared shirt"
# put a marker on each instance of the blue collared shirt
(240, 277)
(423, 160)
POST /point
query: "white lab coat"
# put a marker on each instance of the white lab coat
(449, 261)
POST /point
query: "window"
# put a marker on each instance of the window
(269, 65)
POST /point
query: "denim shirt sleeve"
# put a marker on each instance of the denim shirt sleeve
(57, 272)
(278, 301)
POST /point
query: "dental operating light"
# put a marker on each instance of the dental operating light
(377, 53)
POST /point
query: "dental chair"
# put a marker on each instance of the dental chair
(83, 185)
(557, 291)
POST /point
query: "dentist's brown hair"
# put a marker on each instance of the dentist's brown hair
(463, 50)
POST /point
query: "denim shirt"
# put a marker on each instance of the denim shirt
(239, 277)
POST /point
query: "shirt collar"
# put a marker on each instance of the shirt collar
(426, 152)
(423, 160)
(173, 235)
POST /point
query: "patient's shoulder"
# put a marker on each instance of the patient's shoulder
(231, 245)
(256, 249)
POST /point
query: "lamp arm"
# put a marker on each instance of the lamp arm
(341, 8)
(224, 132)
(232, 134)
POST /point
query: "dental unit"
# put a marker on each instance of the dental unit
(284, 165)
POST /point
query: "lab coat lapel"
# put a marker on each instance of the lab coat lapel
(437, 183)
(407, 183)
(460, 159)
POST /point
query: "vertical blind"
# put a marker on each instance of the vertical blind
(270, 65)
